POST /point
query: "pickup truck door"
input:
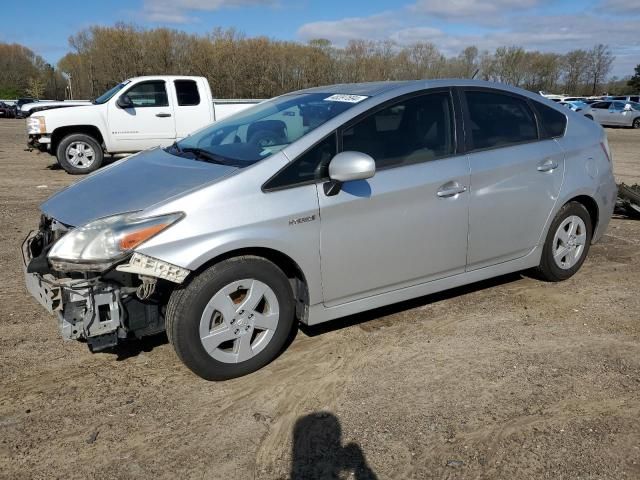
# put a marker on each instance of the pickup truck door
(193, 108)
(149, 123)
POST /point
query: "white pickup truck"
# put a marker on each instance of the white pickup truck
(137, 114)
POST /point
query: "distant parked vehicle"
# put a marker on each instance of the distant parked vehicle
(627, 98)
(576, 106)
(23, 101)
(137, 114)
(7, 111)
(614, 113)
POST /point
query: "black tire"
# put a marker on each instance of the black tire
(66, 142)
(548, 269)
(636, 123)
(188, 302)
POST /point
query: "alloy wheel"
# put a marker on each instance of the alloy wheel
(80, 154)
(569, 242)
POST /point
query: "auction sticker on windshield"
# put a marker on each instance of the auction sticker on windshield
(339, 97)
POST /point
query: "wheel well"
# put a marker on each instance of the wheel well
(290, 268)
(59, 133)
(591, 206)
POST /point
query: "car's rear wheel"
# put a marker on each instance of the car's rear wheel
(636, 123)
(79, 153)
(567, 243)
(232, 319)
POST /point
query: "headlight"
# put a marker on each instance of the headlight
(98, 244)
(36, 125)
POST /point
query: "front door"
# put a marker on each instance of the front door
(515, 177)
(408, 223)
(149, 123)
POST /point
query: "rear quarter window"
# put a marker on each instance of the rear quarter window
(552, 123)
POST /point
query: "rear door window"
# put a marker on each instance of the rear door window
(601, 105)
(552, 123)
(187, 93)
(497, 120)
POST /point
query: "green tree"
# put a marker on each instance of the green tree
(634, 82)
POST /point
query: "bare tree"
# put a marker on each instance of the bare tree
(600, 62)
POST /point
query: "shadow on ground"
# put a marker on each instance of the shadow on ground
(318, 452)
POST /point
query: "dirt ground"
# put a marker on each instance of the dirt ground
(506, 379)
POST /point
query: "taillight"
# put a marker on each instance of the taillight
(605, 148)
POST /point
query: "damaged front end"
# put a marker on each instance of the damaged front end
(101, 305)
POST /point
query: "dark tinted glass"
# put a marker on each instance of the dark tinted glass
(310, 166)
(601, 105)
(187, 92)
(635, 99)
(149, 94)
(552, 122)
(498, 120)
(415, 130)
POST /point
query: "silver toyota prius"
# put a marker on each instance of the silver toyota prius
(316, 205)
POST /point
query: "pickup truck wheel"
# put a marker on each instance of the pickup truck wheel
(232, 319)
(567, 243)
(79, 153)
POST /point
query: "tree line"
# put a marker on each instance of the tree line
(238, 66)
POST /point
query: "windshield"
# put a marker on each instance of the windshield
(110, 93)
(262, 130)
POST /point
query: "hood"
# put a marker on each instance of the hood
(132, 184)
(27, 107)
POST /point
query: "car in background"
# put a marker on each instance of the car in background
(614, 113)
(371, 194)
(575, 105)
(23, 101)
(7, 111)
(627, 98)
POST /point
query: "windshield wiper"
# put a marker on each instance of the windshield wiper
(207, 156)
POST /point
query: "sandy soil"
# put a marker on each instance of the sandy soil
(510, 378)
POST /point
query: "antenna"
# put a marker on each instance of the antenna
(475, 73)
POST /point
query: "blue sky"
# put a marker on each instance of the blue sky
(548, 25)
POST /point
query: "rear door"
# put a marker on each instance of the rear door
(600, 112)
(617, 115)
(191, 109)
(516, 175)
(150, 122)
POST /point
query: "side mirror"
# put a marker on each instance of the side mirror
(346, 167)
(124, 102)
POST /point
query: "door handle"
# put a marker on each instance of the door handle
(163, 115)
(451, 189)
(548, 165)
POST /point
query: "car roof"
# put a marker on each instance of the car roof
(372, 89)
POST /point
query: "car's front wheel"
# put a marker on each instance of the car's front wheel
(232, 319)
(567, 243)
(636, 123)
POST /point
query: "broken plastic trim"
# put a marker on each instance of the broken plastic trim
(152, 267)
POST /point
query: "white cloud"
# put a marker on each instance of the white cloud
(343, 30)
(177, 11)
(621, 7)
(455, 9)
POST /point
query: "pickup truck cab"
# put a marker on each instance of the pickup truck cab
(137, 114)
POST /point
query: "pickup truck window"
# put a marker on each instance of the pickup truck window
(187, 92)
(265, 129)
(149, 94)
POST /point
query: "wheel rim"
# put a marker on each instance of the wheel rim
(80, 154)
(569, 242)
(239, 321)
(636, 123)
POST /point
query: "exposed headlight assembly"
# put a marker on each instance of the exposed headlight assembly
(36, 125)
(99, 244)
